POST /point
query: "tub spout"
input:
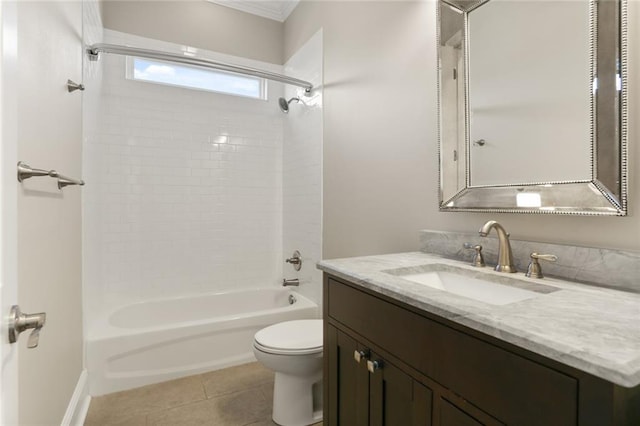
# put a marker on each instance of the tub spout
(293, 282)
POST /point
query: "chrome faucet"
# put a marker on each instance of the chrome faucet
(505, 257)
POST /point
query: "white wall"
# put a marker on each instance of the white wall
(380, 134)
(186, 193)
(379, 121)
(200, 24)
(49, 224)
(302, 170)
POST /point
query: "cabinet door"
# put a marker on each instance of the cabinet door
(395, 398)
(450, 415)
(348, 381)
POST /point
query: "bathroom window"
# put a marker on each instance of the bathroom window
(173, 74)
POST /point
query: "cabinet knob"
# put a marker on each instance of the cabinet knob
(372, 366)
(359, 355)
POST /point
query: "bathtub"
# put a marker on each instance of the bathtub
(155, 341)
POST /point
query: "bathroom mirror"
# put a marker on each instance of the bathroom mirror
(532, 106)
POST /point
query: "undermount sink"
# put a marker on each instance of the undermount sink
(466, 283)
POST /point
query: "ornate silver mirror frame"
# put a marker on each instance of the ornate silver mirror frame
(605, 193)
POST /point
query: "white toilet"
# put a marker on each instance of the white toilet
(293, 349)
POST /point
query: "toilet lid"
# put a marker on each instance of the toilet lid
(291, 336)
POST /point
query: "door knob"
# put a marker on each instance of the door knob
(19, 322)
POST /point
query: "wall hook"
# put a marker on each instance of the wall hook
(72, 86)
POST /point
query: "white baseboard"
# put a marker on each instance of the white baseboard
(79, 404)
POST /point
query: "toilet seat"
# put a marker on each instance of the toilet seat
(276, 351)
(301, 337)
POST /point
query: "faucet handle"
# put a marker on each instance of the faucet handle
(478, 259)
(534, 269)
(295, 260)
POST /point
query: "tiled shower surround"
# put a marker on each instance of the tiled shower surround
(302, 171)
(184, 188)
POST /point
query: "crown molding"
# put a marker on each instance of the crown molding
(277, 10)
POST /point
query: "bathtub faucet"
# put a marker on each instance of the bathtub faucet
(294, 282)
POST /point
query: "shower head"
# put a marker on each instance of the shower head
(284, 104)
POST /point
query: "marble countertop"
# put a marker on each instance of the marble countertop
(590, 328)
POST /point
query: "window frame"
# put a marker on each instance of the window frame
(130, 75)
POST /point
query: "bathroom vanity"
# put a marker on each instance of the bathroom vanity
(400, 352)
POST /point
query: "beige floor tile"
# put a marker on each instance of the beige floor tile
(118, 407)
(272, 423)
(237, 409)
(238, 396)
(93, 420)
(267, 391)
(234, 379)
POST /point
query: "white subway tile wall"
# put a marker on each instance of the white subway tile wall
(184, 188)
(302, 168)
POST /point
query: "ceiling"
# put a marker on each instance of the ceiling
(278, 10)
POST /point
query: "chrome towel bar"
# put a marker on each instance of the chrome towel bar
(25, 171)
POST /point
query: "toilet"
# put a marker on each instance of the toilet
(293, 349)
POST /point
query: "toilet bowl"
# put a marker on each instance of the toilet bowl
(293, 350)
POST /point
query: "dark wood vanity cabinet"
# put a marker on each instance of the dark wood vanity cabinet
(371, 390)
(387, 363)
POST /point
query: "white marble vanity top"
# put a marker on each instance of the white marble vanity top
(593, 329)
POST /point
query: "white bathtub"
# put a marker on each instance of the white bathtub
(160, 340)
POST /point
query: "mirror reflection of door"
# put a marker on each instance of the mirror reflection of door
(529, 92)
(452, 108)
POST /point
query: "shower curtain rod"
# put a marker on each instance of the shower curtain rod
(95, 50)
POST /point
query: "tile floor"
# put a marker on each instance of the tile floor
(236, 396)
